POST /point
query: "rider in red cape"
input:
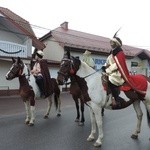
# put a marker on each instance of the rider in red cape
(118, 74)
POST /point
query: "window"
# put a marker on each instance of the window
(134, 64)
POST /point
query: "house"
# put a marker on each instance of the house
(77, 42)
(16, 40)
(17, 31)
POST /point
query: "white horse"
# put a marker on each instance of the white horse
(29, 90)
(95, 95)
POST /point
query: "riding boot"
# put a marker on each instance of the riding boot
(118, 101)
(116, 104)
(115, 94)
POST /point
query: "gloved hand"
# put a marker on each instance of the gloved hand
(103, 68)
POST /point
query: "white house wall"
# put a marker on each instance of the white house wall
(53, 50)
(4, 67)
(12, 37)
(9, 36)
(28, 42)
(100, 61)
(53, 72)
(142, 67)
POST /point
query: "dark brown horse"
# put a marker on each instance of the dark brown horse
(29, 90)
(77, 96)
(96, 97)
(78, 99)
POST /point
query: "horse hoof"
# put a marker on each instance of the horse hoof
(46, 117)
(81, 124)
(58, 115)
(133, 136)
(97, 144)
(26, 122)
(31, 124)
(77, 120)
(89, 139)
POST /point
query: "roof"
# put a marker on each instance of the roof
(22, 25)
(95, 43)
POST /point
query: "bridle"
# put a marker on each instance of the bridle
(72, 70)
(17, 70)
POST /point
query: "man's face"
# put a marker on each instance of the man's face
(113, 44)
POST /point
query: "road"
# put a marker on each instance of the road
(62, 133)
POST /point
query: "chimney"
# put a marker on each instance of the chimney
(64, 25)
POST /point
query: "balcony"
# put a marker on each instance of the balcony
(9, 49)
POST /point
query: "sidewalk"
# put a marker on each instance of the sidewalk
(18, 96)
(9, 96)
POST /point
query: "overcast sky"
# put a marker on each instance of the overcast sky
(99, 17)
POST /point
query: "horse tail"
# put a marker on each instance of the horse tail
(56, 100)
(56, 91)
(148, 118)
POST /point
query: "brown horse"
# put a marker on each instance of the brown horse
(96, 97)
(77, 96)
(29, 90)
(78, 99)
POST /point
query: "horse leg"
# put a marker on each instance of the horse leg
(49, 106)
(93, 126)
(98, 116)
(77, 109)
(81, 123)
(32, 110)
(91, 137)
(139, 115)
(102, 111)
(32, 120)
(147, 105)
(28, 114)
(59, 106)
(57, 102)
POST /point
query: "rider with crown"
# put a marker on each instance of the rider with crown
(118, 74)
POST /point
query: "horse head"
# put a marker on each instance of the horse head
(68, 67)
(16, 69)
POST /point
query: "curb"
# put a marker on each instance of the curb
(18, 96)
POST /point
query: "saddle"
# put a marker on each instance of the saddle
(139, 81)
(127, 90)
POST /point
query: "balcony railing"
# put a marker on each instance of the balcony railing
(10, 49)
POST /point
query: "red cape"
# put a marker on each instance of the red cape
(136, 82)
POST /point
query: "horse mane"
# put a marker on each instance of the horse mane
(26, 70)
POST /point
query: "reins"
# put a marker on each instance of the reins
(91, 73)
(85, 76)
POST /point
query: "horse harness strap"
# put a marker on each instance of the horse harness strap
(92, 73)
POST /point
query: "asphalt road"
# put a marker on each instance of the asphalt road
(62, 133)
